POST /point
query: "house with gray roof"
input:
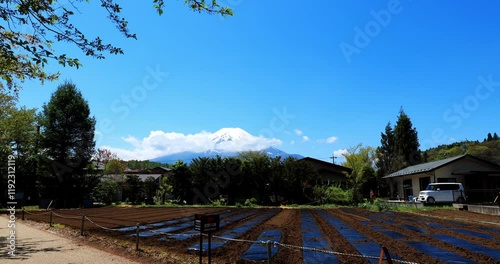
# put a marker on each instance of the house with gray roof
(480, 178)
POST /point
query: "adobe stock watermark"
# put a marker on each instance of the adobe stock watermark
(277, 123)
(455, 115)
(364, 35)
(126, 102)
(11, 205)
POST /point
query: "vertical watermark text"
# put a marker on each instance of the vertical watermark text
(11, 204)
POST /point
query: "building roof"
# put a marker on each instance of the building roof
(328, 164)
(431, 166)
(163, 168)
(143, 177)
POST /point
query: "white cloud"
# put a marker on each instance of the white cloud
(305, 138)
(339, 157)
(339, 152)
(330, 140)
(160, 143)
(298, 132)
(292, 142)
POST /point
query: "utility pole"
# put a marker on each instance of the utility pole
(333, 158)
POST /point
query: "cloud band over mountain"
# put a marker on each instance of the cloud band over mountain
(160, 143)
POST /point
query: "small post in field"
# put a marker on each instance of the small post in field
(50, 221)
(83, 225)
(209, 247)
(269, 245)
(137, 238)
(384, 251)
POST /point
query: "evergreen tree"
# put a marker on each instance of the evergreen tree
(181, 181)
(490, 138)
(385, 153)
(133, 189)
(495, 136)
(68, 143)
(406, 142)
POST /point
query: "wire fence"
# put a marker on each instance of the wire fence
(237, 240)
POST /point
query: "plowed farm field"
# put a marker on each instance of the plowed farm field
(250, 235)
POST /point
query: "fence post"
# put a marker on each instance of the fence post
(83, 224)
(268, 252)
(50, 222)
(137, 238)
(384, 251)
(23, 214)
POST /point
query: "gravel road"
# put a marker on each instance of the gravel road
(39, 246)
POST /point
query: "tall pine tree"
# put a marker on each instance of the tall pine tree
(406, 145)
(399, 146)
(68, 145)
(385, 153)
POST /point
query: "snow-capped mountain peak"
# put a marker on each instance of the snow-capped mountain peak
(230, 134)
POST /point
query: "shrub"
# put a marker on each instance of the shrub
(106, 191)
(332, 195)
(251, 202)
(217, 202)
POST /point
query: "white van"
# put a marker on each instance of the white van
(444, 192)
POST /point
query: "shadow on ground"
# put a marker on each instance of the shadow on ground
(25, 248)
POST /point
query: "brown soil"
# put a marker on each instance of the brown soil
(289, 222)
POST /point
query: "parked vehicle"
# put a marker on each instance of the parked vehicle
(445, 192)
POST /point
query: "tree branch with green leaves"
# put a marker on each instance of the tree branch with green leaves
(24, 55)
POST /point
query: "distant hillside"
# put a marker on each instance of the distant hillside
(488, 150)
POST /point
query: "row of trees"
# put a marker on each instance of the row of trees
(491, 138)
(53, 148)
(488, 150)
(131, 187)
(251, 174)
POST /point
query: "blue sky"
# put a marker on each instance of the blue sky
(294, 74)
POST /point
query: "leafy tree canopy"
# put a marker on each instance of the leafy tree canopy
(23, 54)
(487, 150)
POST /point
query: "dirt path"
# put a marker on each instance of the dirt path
(39, 246)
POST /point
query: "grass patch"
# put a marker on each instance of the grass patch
(33, 208)
(58, 226)
(382, 205)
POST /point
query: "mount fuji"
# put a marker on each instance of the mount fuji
(227, 142)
